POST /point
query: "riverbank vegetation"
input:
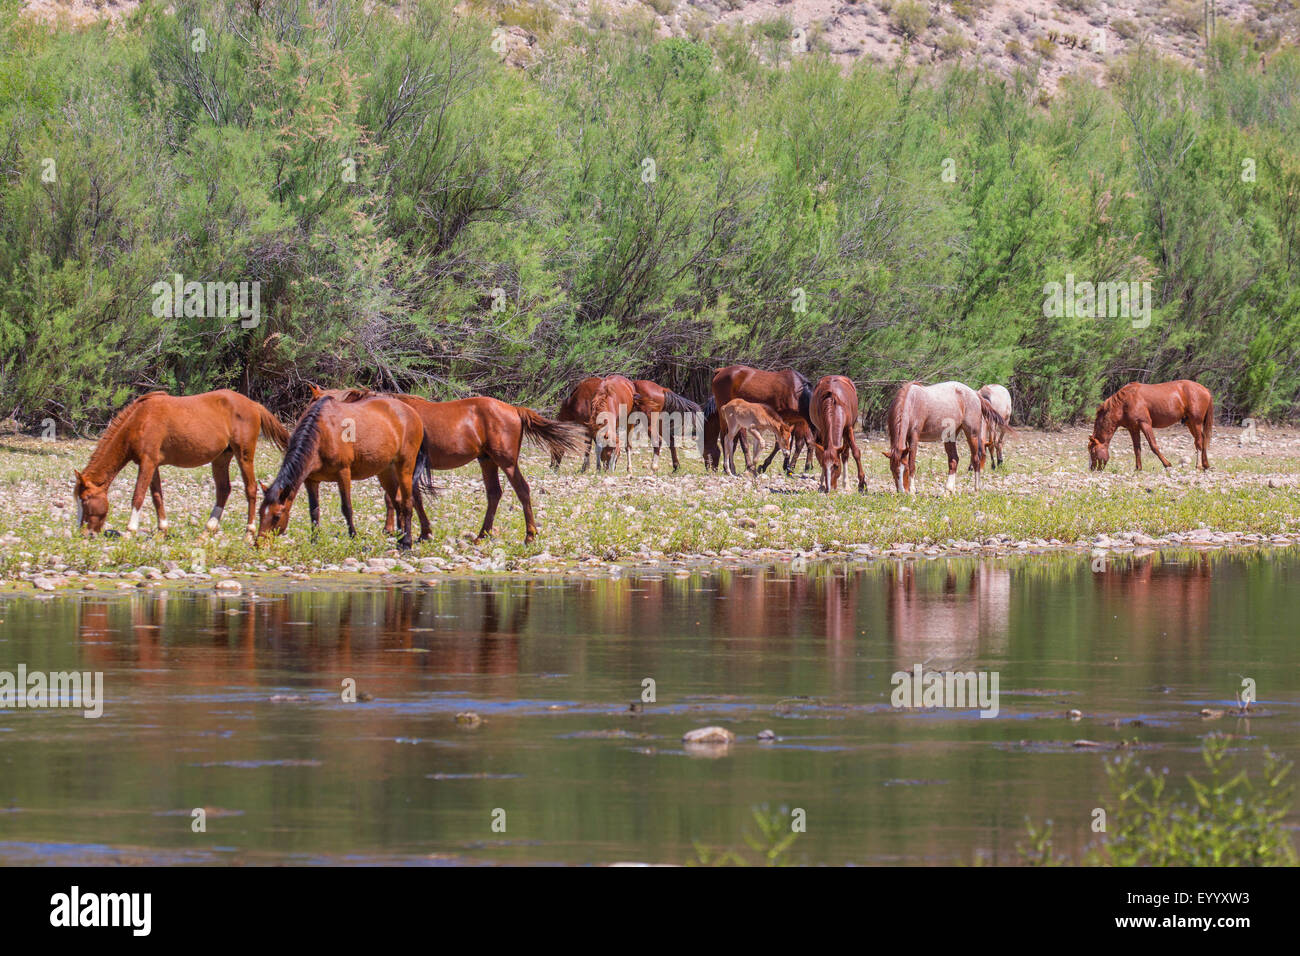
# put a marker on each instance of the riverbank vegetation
(420, 214)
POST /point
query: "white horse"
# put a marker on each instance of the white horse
(1000, 399)
(936, 413)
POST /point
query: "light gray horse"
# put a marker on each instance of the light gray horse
(940, 413)
(1000, 399)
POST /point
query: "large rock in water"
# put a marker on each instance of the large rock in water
(708, 735)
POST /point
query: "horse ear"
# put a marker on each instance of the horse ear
(79, 478)
(315, 392)
(885, 453)
(264, 488)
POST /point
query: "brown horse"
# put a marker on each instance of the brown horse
(361, 436)
(490, 432)
(184, 431)
(577, 408)
(940, 412)
(834, 408)
(739, 417)
(608, 420)
(1143, 408)
(786, 392)
(667, 411)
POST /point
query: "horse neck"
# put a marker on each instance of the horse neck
(109, 457)
(1104, 428)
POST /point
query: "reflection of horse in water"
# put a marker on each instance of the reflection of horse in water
(1156, 597)
(947, 615)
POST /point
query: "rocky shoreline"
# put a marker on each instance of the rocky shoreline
(480, 562)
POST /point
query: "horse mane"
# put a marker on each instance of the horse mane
(115, 425)
(302, 444)
(894, 417)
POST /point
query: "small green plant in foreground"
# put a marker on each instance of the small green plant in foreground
(1223, 819)
(769, 845)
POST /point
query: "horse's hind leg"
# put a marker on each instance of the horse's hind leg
(762, 469)
(672, 448)
(398, 492)
(950, 447)
(1198, 441)
(220, 478)
(426, 531)
(345, 501)
(492, 487)
(857, 457)
(155, 489)
(976, 454)
(248, 472)
(1137, 448)
(520, 484)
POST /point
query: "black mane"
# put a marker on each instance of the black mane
(302, 443)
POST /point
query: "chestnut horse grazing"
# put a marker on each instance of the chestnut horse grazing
(656, 402)
(834, 408)
(362, 436)
(577, 408)
(611, 405)
(787, 393)
(185, 431)
(1143, 408)
(1000, 399)
(490, 432)
(940, 412)
(749, 418)
(485, 430)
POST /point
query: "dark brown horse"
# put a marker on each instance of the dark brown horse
(490, 432)
(611, 406)
(786, 392)
(577, 408)
(920, 413)
(834, 408)
(1143, 408)
(361, 436)
(185, 431)
(666, 411)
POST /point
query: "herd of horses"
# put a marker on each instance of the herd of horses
(346, 435)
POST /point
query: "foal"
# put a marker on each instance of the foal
(749, 418)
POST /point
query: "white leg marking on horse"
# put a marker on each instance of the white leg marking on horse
(134, 524)
(951, 483)
(214, 522)
(162, 524)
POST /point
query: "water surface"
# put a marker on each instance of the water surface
(234, 704)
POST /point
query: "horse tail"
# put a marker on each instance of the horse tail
(1207, 423)
(272, 428)
(679, 403)
(423, 477)
(993, 419)
(559, 438)
(710, 407)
